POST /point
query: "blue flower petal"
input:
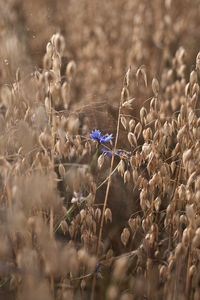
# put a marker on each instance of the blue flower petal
(106, 138)
(96, 135)
(107, 152)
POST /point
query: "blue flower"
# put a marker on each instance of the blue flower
(96, 135)
(98, 271)
(107, 152)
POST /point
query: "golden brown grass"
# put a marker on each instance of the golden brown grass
(76, 222)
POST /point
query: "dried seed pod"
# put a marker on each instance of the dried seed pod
(174, 125)
(193, 77)
(100, 160)
(132, 223)
(167, 129)
(109, 254)
(131, 124)
(127, 176)
(108, 215)
(183, 219)
(187, 90)
(71, 69)
(142, 72)
(71, 230)
(191, 179)
(49, 49)
(173, 167)
(193, 100)
(125, 236)
(56, 63)
(64, 226)
(145, 135)
(170, 208)
(45, 141)
(83, 284)
(89, 221)
(121, 167)
(91, 211)
(176, 234)
(187, 156)
(157, 203)
(192, 118)
(143, 114)
(93, 188)
(185, 237)
(132, 139)
(133, 162)
(90, 198)
(61, 170)
(195, 89)
(190, 214)
(60, 147)
(181, 133)
(127, 77)
(138, 130)
(146, 149)
(170, 75)
(88, 147)
(181, 192)
(198, 62)
(180, 250)
(135, 175)
(128, 104)
(197, 232)
(47, 104)
(145, 225)
(124, 122)
(98, 214)
(125, 94)
(59, 43)
(148, 134)
(197, 184)
(158, 124)
(155, 86)
(192, 270)
(171, 265)
(65, 94)
(47, 62)
(163, 272)
(82, 214)
(196, 241)
(50, 77)
(138, 220)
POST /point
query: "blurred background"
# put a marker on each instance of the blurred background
(103, 37)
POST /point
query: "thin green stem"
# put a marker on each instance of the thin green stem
(107, 192)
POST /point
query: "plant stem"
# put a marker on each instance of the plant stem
(106, 195)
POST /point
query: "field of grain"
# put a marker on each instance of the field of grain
(99, 150)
